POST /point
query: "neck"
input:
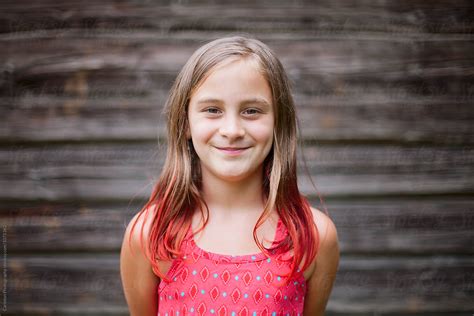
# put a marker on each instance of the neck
(229, 198)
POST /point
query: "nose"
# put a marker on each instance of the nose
(231, 127)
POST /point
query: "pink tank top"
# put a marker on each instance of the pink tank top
(207, 283)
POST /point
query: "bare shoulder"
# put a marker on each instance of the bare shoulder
(328, 247)
(138, 232)
(139, 227)
(326, 227)
(135, 239)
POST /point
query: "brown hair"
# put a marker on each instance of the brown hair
(177, 191)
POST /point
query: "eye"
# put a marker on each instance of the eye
(252, 111)
(212, 110)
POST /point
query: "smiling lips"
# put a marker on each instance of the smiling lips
(232, 150)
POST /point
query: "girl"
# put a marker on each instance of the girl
(226, 231)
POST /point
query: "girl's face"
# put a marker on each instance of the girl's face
(231, 121)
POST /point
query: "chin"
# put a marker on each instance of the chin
(232, 177)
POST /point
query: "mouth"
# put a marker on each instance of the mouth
(232, 150)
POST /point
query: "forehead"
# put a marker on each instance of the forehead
(235, 80)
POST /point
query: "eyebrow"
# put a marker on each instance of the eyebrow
(251, 100)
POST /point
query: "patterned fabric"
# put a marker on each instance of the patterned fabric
(206, 283)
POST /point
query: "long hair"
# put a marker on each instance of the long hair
(177, 194)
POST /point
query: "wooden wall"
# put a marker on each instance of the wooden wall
(384, 90)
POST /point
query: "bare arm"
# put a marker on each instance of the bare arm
(138, 280)
(327, 262)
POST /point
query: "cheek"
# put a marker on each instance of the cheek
(201, 132)
(264, 133)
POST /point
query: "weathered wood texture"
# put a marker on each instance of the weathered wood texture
(420, 226)
(122, 171)
(403, 284)
(384, 92)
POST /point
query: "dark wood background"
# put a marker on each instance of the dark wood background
(384, 91)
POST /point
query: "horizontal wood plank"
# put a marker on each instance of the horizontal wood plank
(398, 226)
(406, 16)
(124, 171)
(430, 121)
(403, 226)
(146, 53)
(98, 68)
(71, 283)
